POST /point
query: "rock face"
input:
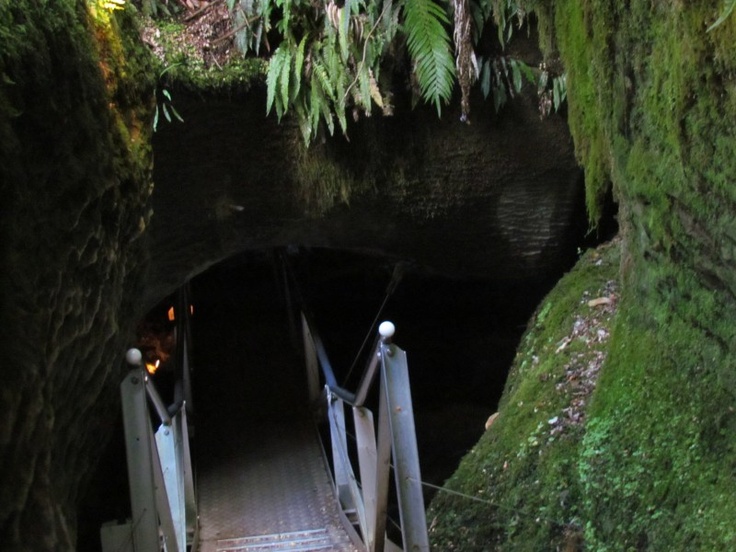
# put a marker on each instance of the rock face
(496, 198)
(74, 178)
(652, 96)
(499, 198)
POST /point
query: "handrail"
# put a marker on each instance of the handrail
(158, 404)
(183, 385)
(324, 362)
(395, 436)
(159, 471)
(371, 369)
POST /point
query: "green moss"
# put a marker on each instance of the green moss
(75, 112)
(652, 100)
(655, 459)
(580, 37)
(182, 64)
(523, 472)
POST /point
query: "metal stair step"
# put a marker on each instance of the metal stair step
(298, 541)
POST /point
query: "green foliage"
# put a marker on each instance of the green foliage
(250, 19)
(502, 76)
(188, 66)
(429, 47)
(155, 8)
(330, 62)
(652, 100)
(335, 61)
(524, 472)
(552, 92)
(327, 63)
(164, 103)
(166, 107)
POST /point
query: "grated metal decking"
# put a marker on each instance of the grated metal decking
(267, 488)
(261, 478)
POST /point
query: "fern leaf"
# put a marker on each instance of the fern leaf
(298, 65)
(155, 119)
(485, 78)
(344, 28)
(175, 113)
(429, 47)
(559, 90)
(304, 122)
(316, 99)
(327, 115)
(285, 24)
(284, 78)
(340, 112)
(390, 21)
(323, 79)
(365, 90)
(516, 75)
(375, 92)
(272, 79)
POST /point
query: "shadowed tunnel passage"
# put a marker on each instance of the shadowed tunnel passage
(460, 337)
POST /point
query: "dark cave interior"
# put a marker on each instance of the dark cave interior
(460, 336)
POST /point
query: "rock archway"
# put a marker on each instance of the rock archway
(501, 198)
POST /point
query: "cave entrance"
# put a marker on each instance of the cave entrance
(460, 336)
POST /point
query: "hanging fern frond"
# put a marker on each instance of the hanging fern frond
(278, 71)
(332, 55)
(248, 23)
(299, 64)
(504, 12)
(429, 47)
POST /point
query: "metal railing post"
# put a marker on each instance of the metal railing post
(365, 438)
(169, 446)
(190, 500)
(159, 467)
(395, 436)
(383, 467)
(312, 364)
(395, 373)
(138, 438)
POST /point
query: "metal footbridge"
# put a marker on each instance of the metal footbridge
(267, 482)
(269, 490)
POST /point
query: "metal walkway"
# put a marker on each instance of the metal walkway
(267, 488)
(262, 480)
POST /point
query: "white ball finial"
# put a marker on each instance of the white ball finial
(134, 357)
(386, 329)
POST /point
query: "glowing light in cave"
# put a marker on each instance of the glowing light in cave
(171, 313)
(152, 367)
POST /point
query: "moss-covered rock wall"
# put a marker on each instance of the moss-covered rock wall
(74, 182)
(652, 100)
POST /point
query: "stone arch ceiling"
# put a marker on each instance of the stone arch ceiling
(500, 198)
